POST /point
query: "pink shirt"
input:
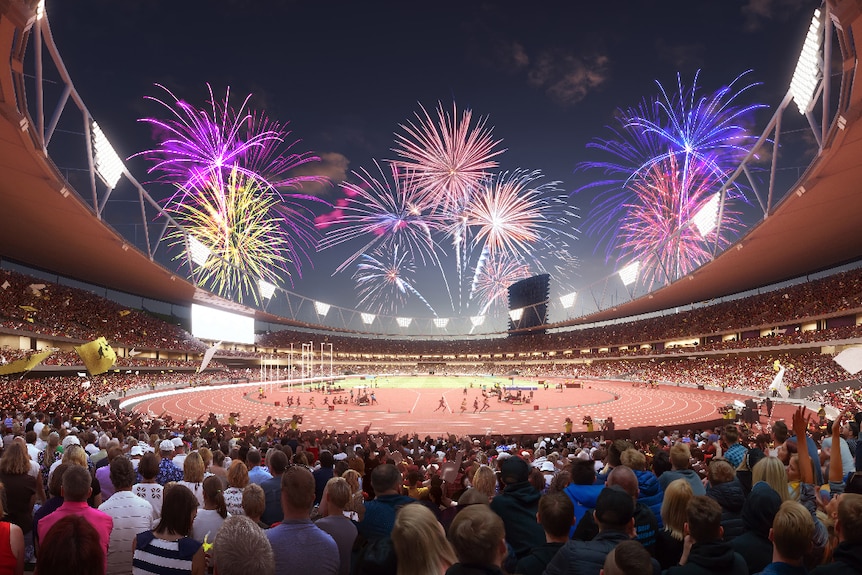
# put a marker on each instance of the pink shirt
(102, 522)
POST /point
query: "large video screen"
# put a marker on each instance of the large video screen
(217, 325)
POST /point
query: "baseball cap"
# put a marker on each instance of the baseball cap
(70, 440)
(136, 450)
(177, 441)
(614, 506)
(514, 470)
(166, 445)
(548, 466)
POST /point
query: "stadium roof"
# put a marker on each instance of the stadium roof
(45, 225)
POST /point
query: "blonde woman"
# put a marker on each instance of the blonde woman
(355, 508)
(193, 475)
(485, 481)
(237, 479)
(669, 542)
(772, 471)
(420, 542)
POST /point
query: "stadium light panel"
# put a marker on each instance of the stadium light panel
(807, 73)
(367, 318)
(706, 218)
(321, 308)
(568, 300)
(106, 161)
(441, 322)
(629, 274)
(516, 314)
(404, 321)
(477, 320)
(199, 252)
(266, 289)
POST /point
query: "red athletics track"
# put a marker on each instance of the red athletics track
(407, 410)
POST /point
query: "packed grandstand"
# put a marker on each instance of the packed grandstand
(574, 495)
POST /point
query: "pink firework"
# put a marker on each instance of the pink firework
(448, 157)
(491, 283)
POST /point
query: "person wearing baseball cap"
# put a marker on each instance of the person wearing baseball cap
(517, 506)
(167, 470)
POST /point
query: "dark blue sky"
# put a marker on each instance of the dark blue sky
(345, 74)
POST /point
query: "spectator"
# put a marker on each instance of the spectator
(241, 548)
(299, 546)
(420, 543)
(169, 544)
(556, 516)
(356, 507)
(11, 542)
(583, 490)
(336, 496)
(380, 512)
(791, 535)
(72, 545)
(193, 475)
(256, 473)
(517, 506)
(650, 492)
(735, 452)
(272, 488)
(680, 460)
(614, 515)
(21, 489)
(628, 558)
(478, 537)
(847, 557)
(669, 542)
(485, 480)
(167, 470)
(254, 503)
(708, 554)
(758, 514)
(76, 489)
(149, 489)
(56, 499)
(131, 515)
(727, 491)
(211, 516)
(237, 479)
(323, 474)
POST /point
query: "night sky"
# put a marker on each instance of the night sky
(345, 74)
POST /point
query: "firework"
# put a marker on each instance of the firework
(204, 152)
(448, 158)
(236, 221)
(385, 280)
(671, 154)
(496, 272)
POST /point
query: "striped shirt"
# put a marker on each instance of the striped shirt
(154, 556)
(132, 515)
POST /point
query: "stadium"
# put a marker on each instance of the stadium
(107, 331)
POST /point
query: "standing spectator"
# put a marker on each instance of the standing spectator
(71, 546)
(254, 503)
(517, 506)
(193, 475)
(272, 488)
(21, 489)
(556, 516)
(256, 473)
(167, 470)
(103, 474)
(11, 542)
(336, 496)
(583, 490)
(735, 451)
(211, 516)
(628, 558)
(680, 460)
(323, 474)
(299, 546)
(758, 514)
(149, 489)
(380, 512)
(356, 507)
(241, 548)
(727, 491)
(168, 548)
(237, 479)
(76, 489)
(650, 492)
(478, 537)
(420, 543)
(669, 542)
(847, 557)
(791, 535)
(131, 515)
(708, 554)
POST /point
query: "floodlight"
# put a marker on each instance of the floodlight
(404, 321)
(106, 161)
(568, 300)
(367, 318)
(629, 274)
(807, 73)
(477, 320)
(706, 217)
(516, 314)
(321, 308)
(266, 289)
(199, 252)
(441, 322)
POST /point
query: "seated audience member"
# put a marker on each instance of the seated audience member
(583, 490)
(556, 516)
(256, 473)
(650, 491)
(758, 514)
(254, 503)
(76, 489)
(131, 514)
(71, 546)
(237, 479)
(628, 558)
(299, 546)
(420, 544)
(336, 496)
(791, 535)
(380, 512)
(517, 506)
(670, 539)
(168, 547)
(727, 491)
(167, 470)
(847, 557)
(149, 489)
(614, 515)
(241, 547)
(478, 537)
(272, 488)
(212, 515)
(55, 485)
(11, 542)
(708, 554)
(680, 460)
